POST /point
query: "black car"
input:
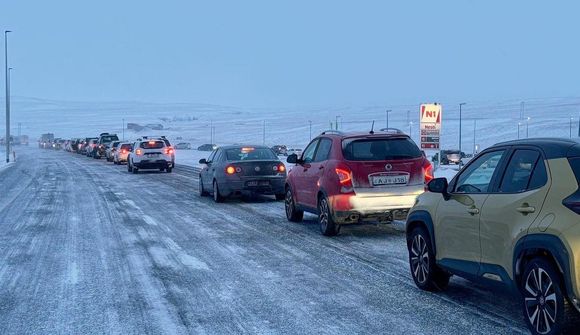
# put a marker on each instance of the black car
(234, 170)
(105, 139)
(207, 147)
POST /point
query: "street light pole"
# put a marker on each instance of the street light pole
(411, 129)
(310, 128)
(519, 124)
(388, 111)
(123, 129)
(7, 140)
(571, 119)
(527, 126)
(460, 105)
(474, 128)
(336, 122)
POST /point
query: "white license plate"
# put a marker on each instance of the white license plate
(153, 155)
(258, 183)
(390, 180)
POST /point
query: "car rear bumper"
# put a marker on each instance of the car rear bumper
(263, 185)
(367, 207)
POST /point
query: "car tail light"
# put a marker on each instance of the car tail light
(573, 202)
(428, 172)
(139, 152)
(345, 179)
(230, 170)
(168, 150)
(279, 168)
(123, 151)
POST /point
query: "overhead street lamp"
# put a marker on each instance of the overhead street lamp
(460, 105)
(7, 140)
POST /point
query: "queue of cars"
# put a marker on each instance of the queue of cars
(509, 219)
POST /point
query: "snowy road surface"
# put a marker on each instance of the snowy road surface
(86, 248)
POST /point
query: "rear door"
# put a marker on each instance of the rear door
(314, 172)
(511, 209)
(384, 164)
(206, 174)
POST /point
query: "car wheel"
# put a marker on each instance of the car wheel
(129, 166)
(202, 192)
(545, 306)
(292, 214)
(426, 274)
(217, 197)
(327, 225)
(135, 170)
(169, 169)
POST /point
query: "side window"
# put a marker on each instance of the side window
(323, 150)
(518, 173)
(308, 154)
(539, 176)
(476, 178)
(211, 156)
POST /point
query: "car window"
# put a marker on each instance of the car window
(379, 149)
(211, 156)
(518, 173)
(152, 145)
(323, 150)
(218, 155)
(250, 153)
(308, 154)
(539, 176)
(476, 178)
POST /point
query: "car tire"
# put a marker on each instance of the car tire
(327, 225)
(135, 170)
(426, 274)
(202, 191)
(545, 306)
(129, 167)
(169, 169)
(217, 197)
(292, 214)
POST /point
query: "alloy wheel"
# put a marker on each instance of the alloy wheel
(420, 259)
(323, 215)
(289, 203)
(540, 300)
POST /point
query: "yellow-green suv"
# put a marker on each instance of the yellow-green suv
(509, 219)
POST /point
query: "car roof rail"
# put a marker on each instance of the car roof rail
(392, 130)
(332, 131)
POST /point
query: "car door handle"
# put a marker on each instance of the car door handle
(320, 167)
(473, 211)
(526, 209)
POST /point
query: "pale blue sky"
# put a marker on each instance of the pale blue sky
(293, 53)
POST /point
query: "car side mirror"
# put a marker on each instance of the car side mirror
(203, 161)
(292, 159)
(439, 185)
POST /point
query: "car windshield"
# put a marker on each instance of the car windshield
(248, 154)
(379, 149)
(126, 146)
(111, 138)
(152, 145)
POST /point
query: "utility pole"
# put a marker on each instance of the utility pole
(7, 96)
(519, 124)
(527, 126)
(211, 132)
(460, 105)
(336, 122)
(310, 128)
(474, 128)
(387, 112)
(571, 119)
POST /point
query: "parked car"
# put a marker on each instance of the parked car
(110, 151)
(508, 219)
(120, 155)
(280, 150)
(295, 151)
(105, 140)
(207, 147)
(350, 178)
(234, 170)
(183, 146)
(150, 154)
(449, 157)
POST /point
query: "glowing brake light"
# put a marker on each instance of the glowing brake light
(345, 179)
(151, 143)
(428, 172)
(168, 150)
(139, 152)
(230, 170)
(123, 151)
(280, 168)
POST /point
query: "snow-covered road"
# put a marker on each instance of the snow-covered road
(86, 248)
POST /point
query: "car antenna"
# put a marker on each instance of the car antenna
(372, 128)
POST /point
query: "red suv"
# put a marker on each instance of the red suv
(348, 178)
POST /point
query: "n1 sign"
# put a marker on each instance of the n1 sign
(430, 125)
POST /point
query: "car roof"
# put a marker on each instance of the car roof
(238, 146)
(552, 147)
(395, 133)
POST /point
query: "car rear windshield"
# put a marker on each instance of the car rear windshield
(126, 146)
(152, 145)
(247, 154)
(379, 149)
(575, 164)
(106, 139)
